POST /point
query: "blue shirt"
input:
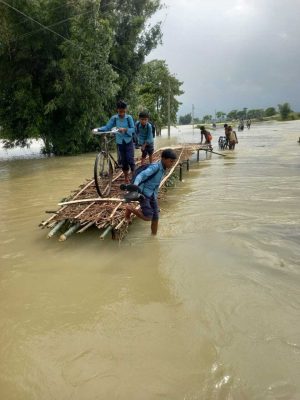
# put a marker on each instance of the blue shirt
(116, 121)
(144, 134)
(151, 187)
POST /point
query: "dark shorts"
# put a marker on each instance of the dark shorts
(149, 150)
(149, 207)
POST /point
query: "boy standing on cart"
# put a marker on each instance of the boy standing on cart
(124, 137)
(145, 136)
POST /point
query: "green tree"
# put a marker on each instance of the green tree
(232, 115)
(21, 101)
(284, 110)
(154, 85)
(56, 85)
(185, 119)
(207, 118)
(269, 112)
(256, 114)
(220, 115)
(84, 87)
(240, 114)
(134, 38)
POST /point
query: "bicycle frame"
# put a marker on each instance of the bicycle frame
(107, 141)
(105, 165)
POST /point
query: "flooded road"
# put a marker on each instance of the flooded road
(208, 309)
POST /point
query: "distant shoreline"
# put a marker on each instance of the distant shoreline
(17, 153)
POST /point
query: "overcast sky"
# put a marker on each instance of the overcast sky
(232, 54)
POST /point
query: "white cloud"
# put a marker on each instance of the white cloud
(243, 8)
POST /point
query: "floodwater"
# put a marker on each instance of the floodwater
(208, 309)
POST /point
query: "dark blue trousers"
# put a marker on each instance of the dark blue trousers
(126, 154)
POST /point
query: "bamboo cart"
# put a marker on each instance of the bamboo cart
(85, 209)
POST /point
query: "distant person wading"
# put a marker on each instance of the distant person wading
(233, 140)
(205, 134)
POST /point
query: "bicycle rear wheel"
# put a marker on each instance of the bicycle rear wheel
(103, 173)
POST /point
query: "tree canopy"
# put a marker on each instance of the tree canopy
(207, 118)
(63, 64)
(270, 111)
(220, 115)
(284, 110)
(255, 113)
(155, 85)
(185, 119)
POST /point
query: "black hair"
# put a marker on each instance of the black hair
(144, 114)
(202, 128)
(121, 105)
(225, 125)
(169, 153)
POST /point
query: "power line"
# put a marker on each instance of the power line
(48, 26)
(37, 22)
(52, 31)
(56, 23)
(56, 8)
(51, 9)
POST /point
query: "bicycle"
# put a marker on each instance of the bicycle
(105, 164)
(222, 142)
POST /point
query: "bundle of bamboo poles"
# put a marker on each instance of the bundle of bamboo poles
(85, 209)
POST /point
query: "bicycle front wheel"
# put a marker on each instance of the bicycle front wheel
(103, 173)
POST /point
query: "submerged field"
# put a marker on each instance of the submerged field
(206, 310)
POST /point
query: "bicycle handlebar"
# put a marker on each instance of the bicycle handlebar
(103, 133)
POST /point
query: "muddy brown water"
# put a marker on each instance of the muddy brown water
(208, 309)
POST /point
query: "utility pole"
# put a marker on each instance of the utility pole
(193, 110)
(169, 108)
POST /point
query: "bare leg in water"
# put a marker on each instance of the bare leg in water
(138, 213)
